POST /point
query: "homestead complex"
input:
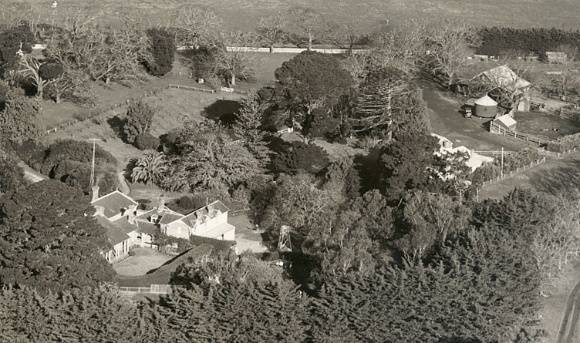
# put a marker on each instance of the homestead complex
(300, 177)
(128, 226)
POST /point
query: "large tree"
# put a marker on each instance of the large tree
(308, 23)
(90, 314)
(162, 46)
(208, 158)
(229, 296)
(271, 29)
(448, 45)
(235, 64)
(50, 240)
(403, 164)
(248, 127)
(103, 54)
(18, 120)
(308, 81)
(11, 175)
(138, 121)
(197, 26)
(295, 157)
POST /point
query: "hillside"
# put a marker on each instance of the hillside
(243, 14)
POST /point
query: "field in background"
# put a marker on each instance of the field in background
(243, 14)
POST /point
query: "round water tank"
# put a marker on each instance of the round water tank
(485, 107)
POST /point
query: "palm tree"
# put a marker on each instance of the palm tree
(152, 167)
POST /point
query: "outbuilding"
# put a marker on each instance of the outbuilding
(485, 107)
(502, 124)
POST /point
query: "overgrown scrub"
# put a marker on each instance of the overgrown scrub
(512, 162)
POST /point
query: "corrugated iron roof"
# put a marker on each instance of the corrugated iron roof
(113, 203)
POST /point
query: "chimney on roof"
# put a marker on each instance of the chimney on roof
(131, 214)
(95, 193)
(161, 205)
(99, 211)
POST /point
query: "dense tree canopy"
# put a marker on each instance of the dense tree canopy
(208, 158)
(18, 120)
(50, 240)
(310, 80)
(138, 121)
(162, 50)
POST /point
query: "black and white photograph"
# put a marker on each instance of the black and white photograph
(299, 171)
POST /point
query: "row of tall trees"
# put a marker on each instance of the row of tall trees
(477, 281)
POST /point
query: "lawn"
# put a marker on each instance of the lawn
(544, 124)
(554, 177)
(144, 260)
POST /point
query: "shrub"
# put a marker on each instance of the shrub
(138, 121)
(162, 50)
(204, 62)
(146, 141)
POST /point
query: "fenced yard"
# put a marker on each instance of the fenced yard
(543, 124)
(144, 260)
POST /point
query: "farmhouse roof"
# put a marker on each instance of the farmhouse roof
(485, 101)
(166, 215)
(208, 210)
(148, 228)
(506, 120)
(114, 233)
(503, 76)
(113, 203)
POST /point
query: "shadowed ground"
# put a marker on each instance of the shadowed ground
(554, 176)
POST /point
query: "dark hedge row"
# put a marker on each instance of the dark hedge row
(496, 41)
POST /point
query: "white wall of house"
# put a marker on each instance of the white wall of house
(204, 229)
(178, 229)
(119, 251)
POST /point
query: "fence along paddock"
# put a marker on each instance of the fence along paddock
(495, 128)
(153, 289)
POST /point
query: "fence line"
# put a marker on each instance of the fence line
(152, 289)
(191, 88)
(555, 155)
(495, 128)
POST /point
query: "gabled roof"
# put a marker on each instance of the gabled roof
(503, 76)
(209, 210)
(506, 120)
(148, 228)
(167, 215)
(113, 203)
(115, 235)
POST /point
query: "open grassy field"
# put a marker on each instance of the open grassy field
(243, 14)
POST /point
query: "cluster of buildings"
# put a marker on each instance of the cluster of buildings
(127, 225)
(506, 93)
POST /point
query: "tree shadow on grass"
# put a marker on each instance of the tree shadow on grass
(223, 111)
(116, 124)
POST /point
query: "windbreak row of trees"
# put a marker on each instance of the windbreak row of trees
(477, 280)
(497, 41)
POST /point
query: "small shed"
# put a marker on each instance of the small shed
(485, 107)
(556, 57)
(503, 123)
